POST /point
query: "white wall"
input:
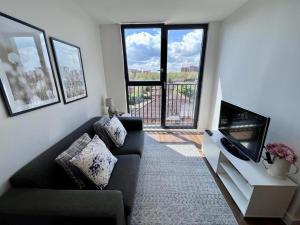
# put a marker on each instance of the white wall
(209, 76)
(113, 64)
(25, 136)
(259, 68)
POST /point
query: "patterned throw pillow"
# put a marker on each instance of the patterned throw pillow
(64, 160)
(101, 132)
(96, 162)
(115, 130)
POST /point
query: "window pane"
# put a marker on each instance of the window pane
(184, 51)
(143, 47)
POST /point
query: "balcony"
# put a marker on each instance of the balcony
(146, 102)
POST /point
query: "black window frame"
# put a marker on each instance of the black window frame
(163, 64)
(141, 26)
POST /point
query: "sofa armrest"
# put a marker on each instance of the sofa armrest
(49, 206)
(132, 123)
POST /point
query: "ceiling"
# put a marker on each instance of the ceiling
(153, 11)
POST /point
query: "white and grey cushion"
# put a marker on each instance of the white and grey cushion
(64, 160)
(96, 162)
(115, 130)
(102, 133)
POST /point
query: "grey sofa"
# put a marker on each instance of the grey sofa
(42, 193)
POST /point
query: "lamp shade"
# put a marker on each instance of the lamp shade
(109, 102)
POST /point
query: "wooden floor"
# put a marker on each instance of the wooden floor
(196, 138)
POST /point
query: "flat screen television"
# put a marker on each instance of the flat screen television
(244, 131)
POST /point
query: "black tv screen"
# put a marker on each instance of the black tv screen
(244, 129)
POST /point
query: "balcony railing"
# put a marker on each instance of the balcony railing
(145, 102)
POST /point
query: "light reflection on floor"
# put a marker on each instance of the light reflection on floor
(178, 137)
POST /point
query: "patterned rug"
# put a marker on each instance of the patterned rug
(176, 188)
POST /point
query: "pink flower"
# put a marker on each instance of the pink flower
(282, 151)
(289, 158)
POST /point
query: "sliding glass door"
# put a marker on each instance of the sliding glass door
(163, 72)
(142, 49)
(183, 77)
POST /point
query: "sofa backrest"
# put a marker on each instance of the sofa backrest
(43, 171)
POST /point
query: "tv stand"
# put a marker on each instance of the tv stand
(255, 192)
(233, 149)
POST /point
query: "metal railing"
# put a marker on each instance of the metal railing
(145, 102)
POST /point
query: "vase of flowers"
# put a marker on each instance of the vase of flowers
(284, 157)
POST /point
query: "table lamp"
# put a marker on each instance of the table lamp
(109, 104)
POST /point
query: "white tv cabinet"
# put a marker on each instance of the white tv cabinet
(256, 193)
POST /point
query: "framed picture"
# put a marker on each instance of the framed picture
(70, 70)
(26, 74)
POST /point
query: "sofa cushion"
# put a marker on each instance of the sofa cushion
(64, 158)
(114, 129)
(96, 162)
(124, 178)
(132, 123)
(101, 132)
(133, 144)
(43, 171)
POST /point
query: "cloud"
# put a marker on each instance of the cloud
(143, 50)
(185, 52)
(27, 52)
(144, 39)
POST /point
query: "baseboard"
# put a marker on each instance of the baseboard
(290, 220)
(158, 129)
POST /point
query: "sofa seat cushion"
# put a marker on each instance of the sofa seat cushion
(124, 178)
(133, 144)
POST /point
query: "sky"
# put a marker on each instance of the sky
(27, 51)
(143, 48)
(67, 56)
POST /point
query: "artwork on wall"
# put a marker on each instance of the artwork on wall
(70, 70)
(26, 74)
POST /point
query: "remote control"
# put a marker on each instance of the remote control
(209, 132)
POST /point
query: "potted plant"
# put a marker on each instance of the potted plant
(284, 157)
